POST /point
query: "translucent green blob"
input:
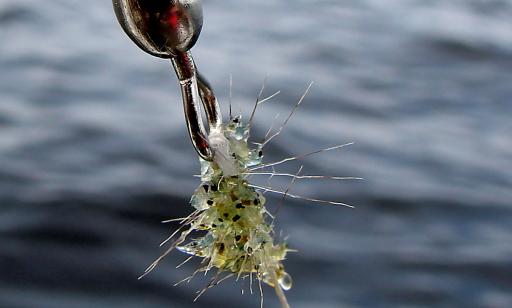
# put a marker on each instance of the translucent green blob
(238, 238)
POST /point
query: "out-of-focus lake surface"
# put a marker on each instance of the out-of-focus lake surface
(94, 152)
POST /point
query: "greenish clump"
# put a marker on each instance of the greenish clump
(230, 225)
(238, 237)
(229, 228)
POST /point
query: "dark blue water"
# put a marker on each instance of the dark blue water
(94, 151)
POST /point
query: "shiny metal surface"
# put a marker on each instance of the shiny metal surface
(210, 103)
(161, 27)
(168, 29)
(186, 72)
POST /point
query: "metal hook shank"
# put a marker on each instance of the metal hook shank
(185, 70)
(210, 103)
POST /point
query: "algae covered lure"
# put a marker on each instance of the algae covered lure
(237, 231)
(237, 236)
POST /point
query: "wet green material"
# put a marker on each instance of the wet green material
(237, 237)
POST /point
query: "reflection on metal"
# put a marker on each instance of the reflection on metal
(169, 29)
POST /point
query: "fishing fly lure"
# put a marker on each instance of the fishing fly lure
(237, 230)
(230, 228)
(238, 238)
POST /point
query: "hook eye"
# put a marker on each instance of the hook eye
(161, 28)
(169, 29)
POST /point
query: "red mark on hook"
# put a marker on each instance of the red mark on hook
(173, 17)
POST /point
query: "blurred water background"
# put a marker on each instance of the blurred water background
(94, 151)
